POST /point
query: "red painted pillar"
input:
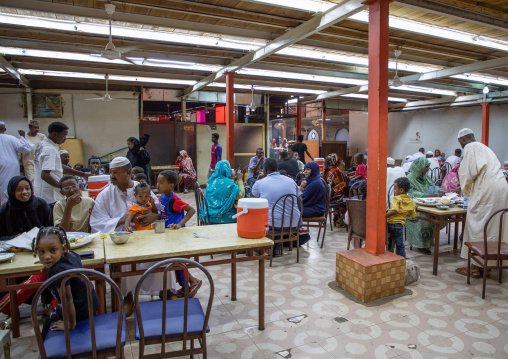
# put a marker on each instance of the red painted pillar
(485, 122)
(298, 118)
(230, 118)
(377, 126)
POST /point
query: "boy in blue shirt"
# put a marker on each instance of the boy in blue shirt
(173, 212)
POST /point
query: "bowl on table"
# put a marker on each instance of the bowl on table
(120, 237)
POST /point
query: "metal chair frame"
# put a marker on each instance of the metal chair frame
(199, 195)
(321, 221)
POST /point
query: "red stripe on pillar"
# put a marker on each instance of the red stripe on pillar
(485, 122)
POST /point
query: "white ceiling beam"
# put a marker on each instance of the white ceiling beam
(308, 28)
(13, 72)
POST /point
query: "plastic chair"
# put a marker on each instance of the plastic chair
(180, 320)
(286, 232)
(90, 338)
(321, 221)
(357, 210)
(483, 251)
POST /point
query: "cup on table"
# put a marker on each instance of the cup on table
(159, 226)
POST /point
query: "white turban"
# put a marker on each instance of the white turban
(118, 162)
(430, 153)
(62, 152)
(390, 161)
(464, 132)
(2, 123)
(410, 158)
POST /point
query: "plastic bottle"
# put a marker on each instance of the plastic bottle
(431, 189)
(437, 189)
(466, 203)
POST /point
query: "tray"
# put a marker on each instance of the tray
(427, 203)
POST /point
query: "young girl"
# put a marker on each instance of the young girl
(52, 247)
(144, 204)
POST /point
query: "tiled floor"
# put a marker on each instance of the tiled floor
(442, 318)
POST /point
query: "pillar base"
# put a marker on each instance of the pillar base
(369, 277)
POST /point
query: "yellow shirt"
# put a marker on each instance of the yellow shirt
(404, 205)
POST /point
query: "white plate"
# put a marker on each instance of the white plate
(4, 247)
(82, 239)
(4, 257)
(430, 202)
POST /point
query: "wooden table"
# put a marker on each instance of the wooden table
(23, 265)
(147, 246)
(439, 217)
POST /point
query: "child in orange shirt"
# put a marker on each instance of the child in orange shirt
(144, 204)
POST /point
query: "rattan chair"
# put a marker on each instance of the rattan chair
(181, 320)
(202, 205)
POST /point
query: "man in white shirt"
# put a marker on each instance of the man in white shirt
(27, 159)
(109, 214)
(10, 147)
(48, 165)
(434, 163)
(420, 153)
(392, 173)
(455, 159)
(407, 165)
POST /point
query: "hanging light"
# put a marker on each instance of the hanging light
(252, 106)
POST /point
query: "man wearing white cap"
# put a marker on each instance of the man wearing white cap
(407, 165)
(434, 163)
(10, 146)
(64, 157)
(109, 214)
(392, 173)
(34, 137)
(482, 180)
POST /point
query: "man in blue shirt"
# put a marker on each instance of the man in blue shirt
(256, 164)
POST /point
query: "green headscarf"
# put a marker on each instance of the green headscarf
(419, 182)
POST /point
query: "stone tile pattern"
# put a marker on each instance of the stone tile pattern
(367, 278)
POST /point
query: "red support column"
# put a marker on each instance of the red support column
(298, 118)
(230, 118)
(377, 125)
(485, 122)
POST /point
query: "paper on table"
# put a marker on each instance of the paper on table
(24, 240)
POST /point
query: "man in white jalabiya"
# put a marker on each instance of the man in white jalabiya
(10, 146)
(392, 173)
(481, 180)
(407, 164)
(109, 214)
(455, 159)
(27, 159)
(434, 163)
(420, 153)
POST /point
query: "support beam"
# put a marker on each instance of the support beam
(11, 70)
(230, 118)
(29, 106)
(323, 123)
(184, 111)
(308, 28)
(298, 119)
(377, 133)
(485, 122)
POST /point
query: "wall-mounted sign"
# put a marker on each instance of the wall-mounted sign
(188, 128)
(416, 139)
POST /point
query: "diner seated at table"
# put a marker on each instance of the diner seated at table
(73, 212)
(222, 193)
(22, 212)
(314, 195)
(109, 214)
(434, 163)
(256, 165)
(360, 173)
(137, 170)
(94, 165)
(187, 172)
(144, 203)
(288, 164)
(138, 177)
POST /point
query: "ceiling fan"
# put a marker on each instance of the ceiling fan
(107, 97)
(396, 80)
(111, 52)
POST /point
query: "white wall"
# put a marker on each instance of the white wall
(437, 129)
(103, 126)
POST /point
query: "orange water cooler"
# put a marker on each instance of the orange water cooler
(96, 184)
(252, 217)
(321, 163)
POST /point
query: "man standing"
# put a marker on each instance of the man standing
(109, 214)
(481, 180)
(255, 165)
(392, 173)
(48, 164)
(10, 146)
(34, 137)
(301, 149)
(288, 164)
(455, 159)
(216, 153)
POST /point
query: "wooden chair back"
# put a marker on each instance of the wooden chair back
(202, 206)
(83, 274)
(357, 212)
(390, 190)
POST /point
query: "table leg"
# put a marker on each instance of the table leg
(114, 300)
(233, 276)
(464, 217)
(456, 235)
(100, 288)
(14, 309)
(436, 249)
(261, 299)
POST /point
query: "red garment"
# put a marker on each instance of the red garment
(216, 152)
(24, 294)
(361, 170)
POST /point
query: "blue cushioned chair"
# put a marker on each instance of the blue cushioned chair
(180, 320)
(101, 335)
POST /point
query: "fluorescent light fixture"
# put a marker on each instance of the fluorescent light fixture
(163, 61)
(483, 79)
(269, 88)
(325, 119)
(300, 76)
(412, 88)
(294, 100)
(366, 97)
(436, 31)
(306, 5)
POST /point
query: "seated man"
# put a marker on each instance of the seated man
(94, 164)
(434, 163)
(256, 164)
(288, 164)
(271, 188)
(109, 214)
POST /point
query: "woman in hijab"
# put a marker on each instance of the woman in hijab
(314, 195)
(22, 212)
(187, 172)
(337, 179)
(138, 155)
(420, 234)
(222, 193)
